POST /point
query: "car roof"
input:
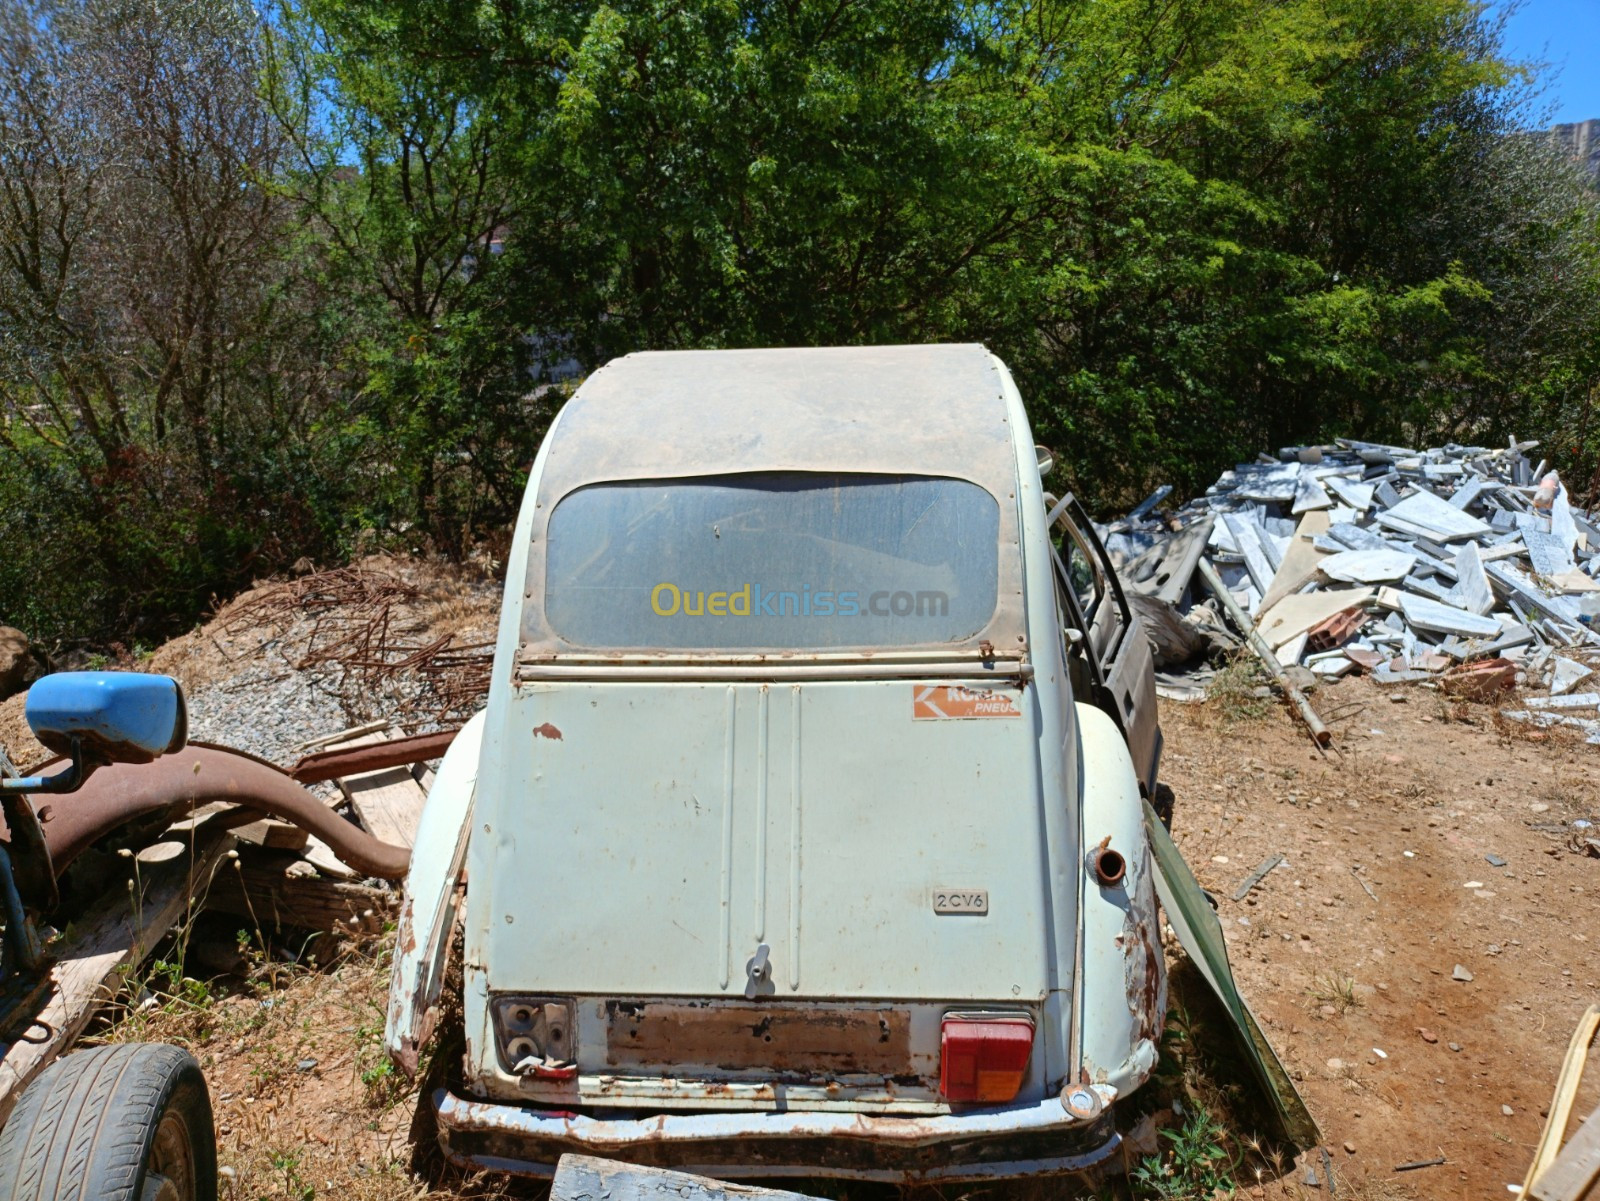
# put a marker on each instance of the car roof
(923, 410)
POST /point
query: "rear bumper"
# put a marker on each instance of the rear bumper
(1031, 1140)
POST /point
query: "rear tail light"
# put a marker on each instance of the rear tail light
(983, 1058)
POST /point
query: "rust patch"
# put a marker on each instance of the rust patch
(547, 731)
(739, 1036)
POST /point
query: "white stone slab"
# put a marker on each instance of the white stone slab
(1546, 554)
(1334, 667)
(1472, 591)
(1431, 513)
(1562, 526)
(1289, 653)
(1567, 673)
(1269, 483)
(1367, 566)
(1575, 700)
(1357, 496)
(1356, 538)
(1248, 539)
(1309, 494)
(1424, 614)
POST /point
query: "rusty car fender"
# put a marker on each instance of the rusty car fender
(1121, 956)
(434, 889)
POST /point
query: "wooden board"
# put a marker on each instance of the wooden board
(1300, 561)
(1576, 1167)
(387, 802)
(111, 935)
(260, 889)
(1294, 615)
(584, 1178)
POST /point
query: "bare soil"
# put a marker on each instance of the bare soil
(1399, 1061)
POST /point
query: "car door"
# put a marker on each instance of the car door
(1115, 643)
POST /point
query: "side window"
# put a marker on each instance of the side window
(1096, 599)
(1082, 670)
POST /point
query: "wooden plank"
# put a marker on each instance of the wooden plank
(269, 832)
(362, 735)
(1300, 561)
(1567, 1083)
(111, 935)
(261, 889)
(388, 802)
(585, 1178)
(1575, 1168)
(1294, 615)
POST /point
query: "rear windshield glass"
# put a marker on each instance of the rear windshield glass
(773, 560)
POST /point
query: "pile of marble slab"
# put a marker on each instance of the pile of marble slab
(1443, 556)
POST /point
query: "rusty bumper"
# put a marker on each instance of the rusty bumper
(1029, 1140)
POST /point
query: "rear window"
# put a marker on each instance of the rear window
(772, 561)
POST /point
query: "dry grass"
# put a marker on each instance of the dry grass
(307, 1104)
(1233, 691)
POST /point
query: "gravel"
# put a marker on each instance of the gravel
(267, 710)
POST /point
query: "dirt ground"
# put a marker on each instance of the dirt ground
(1399, 1061)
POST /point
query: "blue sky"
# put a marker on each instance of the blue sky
(1566, 34)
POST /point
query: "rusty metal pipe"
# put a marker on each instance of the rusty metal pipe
(180, 783)
(346, 761)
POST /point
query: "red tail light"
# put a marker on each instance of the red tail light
(983, 1059)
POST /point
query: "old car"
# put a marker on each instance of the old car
(803, 831)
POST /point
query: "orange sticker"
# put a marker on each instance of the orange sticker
(950, 701)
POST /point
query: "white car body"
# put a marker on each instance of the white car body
(719, 901)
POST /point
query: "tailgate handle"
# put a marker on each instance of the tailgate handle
(758, 974)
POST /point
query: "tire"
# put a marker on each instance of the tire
(130, 1122)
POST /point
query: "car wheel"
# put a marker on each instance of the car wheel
(130, 1122)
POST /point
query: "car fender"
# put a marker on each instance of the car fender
(434, 889)
(1122, 986)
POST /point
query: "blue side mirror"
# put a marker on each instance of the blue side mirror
(108, 716)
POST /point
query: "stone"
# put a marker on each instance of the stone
(19, 665)
(1460, 973)
(1428, 1036)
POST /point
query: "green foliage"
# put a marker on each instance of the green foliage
(1193, 230)
(1197, 1167)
